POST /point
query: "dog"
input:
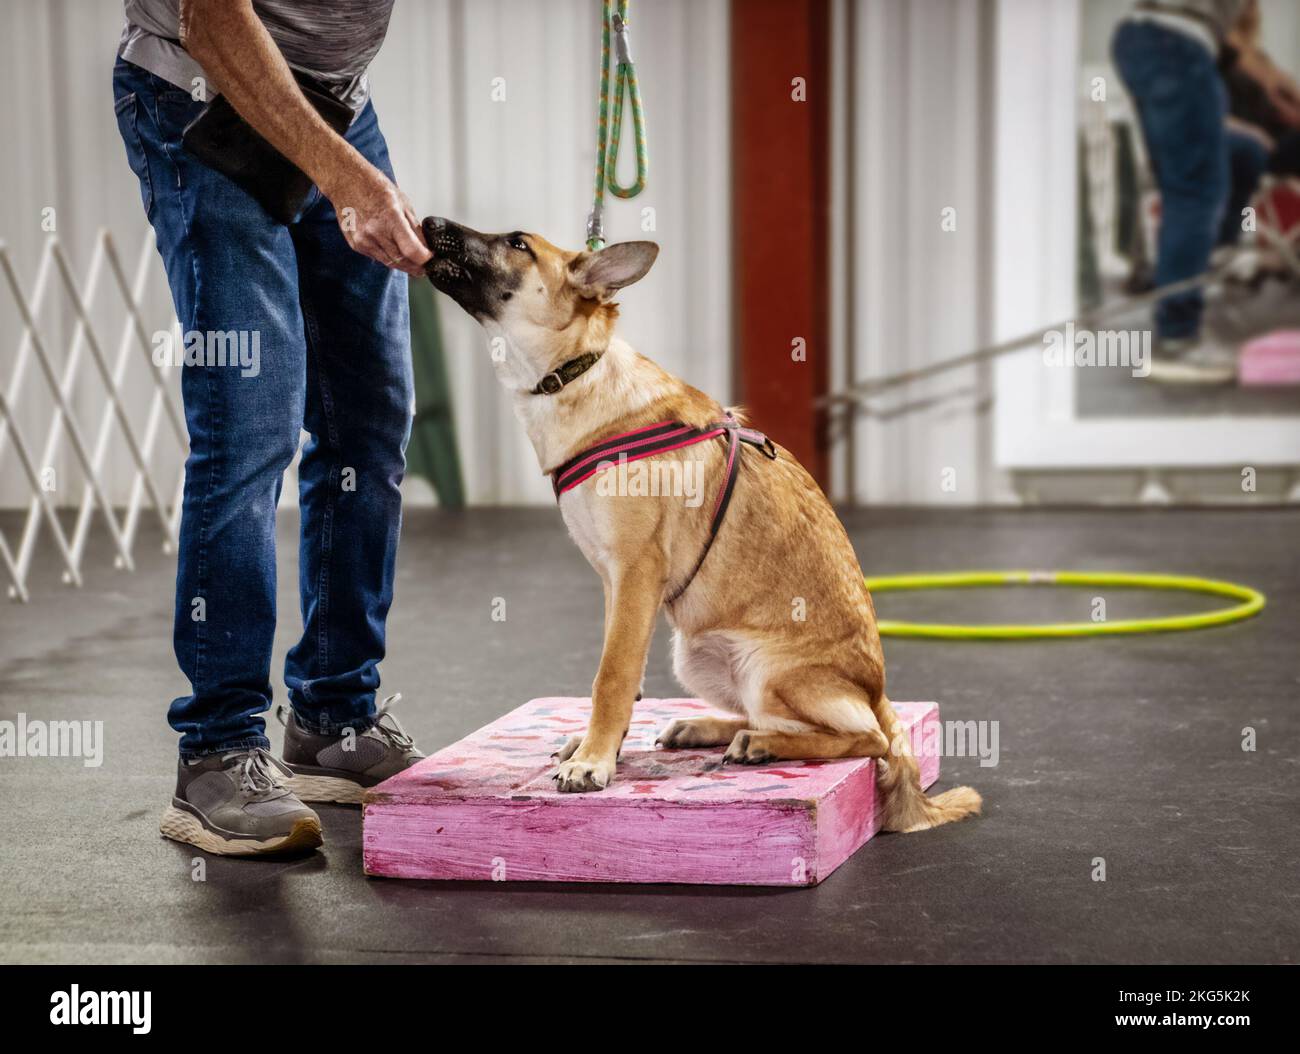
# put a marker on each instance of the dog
(772, 619)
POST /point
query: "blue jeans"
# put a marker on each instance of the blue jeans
(1248, 160)
(1181, 102)
(325, 341)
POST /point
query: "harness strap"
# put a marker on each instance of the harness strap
(657, 439)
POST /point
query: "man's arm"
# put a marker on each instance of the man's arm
(229, 41)
(1280, 89)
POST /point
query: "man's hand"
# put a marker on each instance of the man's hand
(376, 218)
(229, 41)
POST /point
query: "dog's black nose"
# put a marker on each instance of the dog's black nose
(444, 238)
(432, 226)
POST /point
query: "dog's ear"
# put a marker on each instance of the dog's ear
(601, 274)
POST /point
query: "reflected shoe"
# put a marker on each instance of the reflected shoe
(1193, 362)
(236, 804)
(339, 768)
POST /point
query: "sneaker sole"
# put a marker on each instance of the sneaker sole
(181, 826)
(330, 789)
(1191, 376)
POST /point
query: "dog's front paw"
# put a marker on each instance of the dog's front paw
(577, 776)
(748, 748)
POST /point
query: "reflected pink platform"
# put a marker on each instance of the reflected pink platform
(486, 808)
(1271, 359)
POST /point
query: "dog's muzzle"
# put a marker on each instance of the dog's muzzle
(447, 243)
(462, 266)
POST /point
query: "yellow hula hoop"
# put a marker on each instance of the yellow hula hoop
(1252, 602)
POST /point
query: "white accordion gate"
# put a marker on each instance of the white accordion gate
(58, 384)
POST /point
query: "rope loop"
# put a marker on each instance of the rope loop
(609, 126)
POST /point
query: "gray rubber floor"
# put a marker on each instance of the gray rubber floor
(1128, 750)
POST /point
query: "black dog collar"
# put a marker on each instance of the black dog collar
(569, 371)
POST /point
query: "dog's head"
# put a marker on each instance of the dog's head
(548, 304)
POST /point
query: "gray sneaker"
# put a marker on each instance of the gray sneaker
(236, 804)
(340, 768)
(1193, 362)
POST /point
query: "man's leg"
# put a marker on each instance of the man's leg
(1285, 159)
(358, 414)
(233, 278)
(1181, 101)
(1247, 160)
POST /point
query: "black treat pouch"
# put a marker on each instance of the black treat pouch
(224, 141)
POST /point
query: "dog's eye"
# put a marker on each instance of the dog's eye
(517, 242)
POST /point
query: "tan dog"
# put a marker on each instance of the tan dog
(802, 687)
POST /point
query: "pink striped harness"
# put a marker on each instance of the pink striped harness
(658, 439)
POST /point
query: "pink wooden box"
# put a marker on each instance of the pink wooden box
(1271, 359)
(486, 808)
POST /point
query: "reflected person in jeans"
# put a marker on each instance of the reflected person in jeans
(1168, 55)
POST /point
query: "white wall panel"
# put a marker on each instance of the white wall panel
(920, 120)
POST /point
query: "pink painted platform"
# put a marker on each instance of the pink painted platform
(1271, 359)
(486, 807)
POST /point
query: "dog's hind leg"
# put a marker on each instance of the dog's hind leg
(847, 722)
(809, 713)
(757, 747)
(701, 732)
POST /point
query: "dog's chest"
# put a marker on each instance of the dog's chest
(590, 530)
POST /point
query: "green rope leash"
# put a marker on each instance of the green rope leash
(607, 134)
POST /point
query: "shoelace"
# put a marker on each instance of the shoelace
(387, 725)
(258, 772)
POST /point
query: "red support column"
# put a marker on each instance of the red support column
(780, 154)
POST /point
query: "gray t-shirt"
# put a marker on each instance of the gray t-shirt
(1218, 16)
(332, 40)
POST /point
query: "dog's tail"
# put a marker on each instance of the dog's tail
(906, 808)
